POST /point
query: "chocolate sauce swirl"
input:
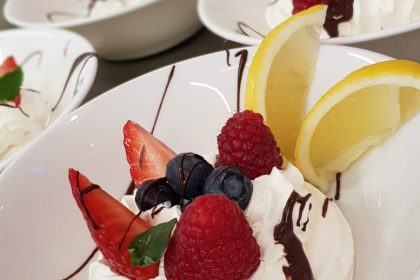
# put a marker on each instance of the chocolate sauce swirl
(338, 12)
(242, 26)
(243, 54)
(299, 267)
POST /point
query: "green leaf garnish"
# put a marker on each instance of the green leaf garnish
(147, 248)
(10, 84)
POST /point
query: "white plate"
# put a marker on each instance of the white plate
(243, 21)
(48, 57)
(42, 233)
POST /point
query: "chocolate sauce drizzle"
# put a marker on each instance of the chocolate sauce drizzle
(242, 62)
(242, 26)
(15, 107)
(82, 265)
(83, 58)
(228, 58)
(301, 208)
(338, 12)
(336, 197)
(299, 267)
(38, 54)
(171, 74)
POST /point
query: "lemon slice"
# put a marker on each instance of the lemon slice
(281, 73)
(358, 112)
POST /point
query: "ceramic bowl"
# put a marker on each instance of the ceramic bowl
(58, 65)
(244, 21)
(139, 29)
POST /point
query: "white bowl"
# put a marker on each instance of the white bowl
(48, 57)
(222, 17)
(43, 234)
(134, 31)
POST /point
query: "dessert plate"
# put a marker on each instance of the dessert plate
(43, 235)
(58, 65)
(244, 21)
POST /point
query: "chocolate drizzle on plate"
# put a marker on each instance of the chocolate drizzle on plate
(81, 59)
(228, 58)
(243, 54)
(244, 28)
(94, 251)
(299, 267)
(7, 105)
(32, 55)
(339, 12)
(171, 74)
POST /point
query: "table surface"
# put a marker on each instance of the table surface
(111, 73)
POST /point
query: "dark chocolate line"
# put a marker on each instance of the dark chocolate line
(242, 62)
(31, 90)
(15, 107)
(131, 188)
(82, 202)
(228, 58)
(83, 58)
(340, 11)
(305, 224)
(171, 74)
(82, 265)
(241, 29)
(302, 207)
(337, 185)
(31, 56)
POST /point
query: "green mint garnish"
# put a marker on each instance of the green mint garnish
(147, 248)
(10, 84)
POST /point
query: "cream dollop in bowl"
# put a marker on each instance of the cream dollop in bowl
(248, 21)
(118, 29)
(59, 69)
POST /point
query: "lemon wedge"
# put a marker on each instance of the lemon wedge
(358, 112)
(281, 74)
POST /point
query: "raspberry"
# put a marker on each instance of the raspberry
(248, 144)
(300, 5)
(212, 240)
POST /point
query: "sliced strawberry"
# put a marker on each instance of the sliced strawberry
(146, 155)
(108, 221)
(8, 65)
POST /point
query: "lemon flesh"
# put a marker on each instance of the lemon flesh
(357, 113)
(281, 74)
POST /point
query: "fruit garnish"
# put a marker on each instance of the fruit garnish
(147, 248)
(248, 144)
(281, 74)
(187, 173)
(146, 155)
(212, 240)
(11, 78)
(154, 192)
(300, 5)
(357, 113)
(230, 182)
(111, 225)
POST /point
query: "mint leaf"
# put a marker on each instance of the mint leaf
(148, 247)
(10, 84)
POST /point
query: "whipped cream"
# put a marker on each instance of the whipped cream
(16, 128)
(106, 7)
(368, 15)
(327, 242)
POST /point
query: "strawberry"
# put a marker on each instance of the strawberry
(212, 240)
(9, 65)
(146, 155)
(111, 225)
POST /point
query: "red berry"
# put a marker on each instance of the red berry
(146, 155)
(212, 240)
(248, 144)
(300, 5)
(9, 64)
(108, 221)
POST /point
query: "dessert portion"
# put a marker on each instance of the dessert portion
(23, 113)
(243, 214)
(349, 17)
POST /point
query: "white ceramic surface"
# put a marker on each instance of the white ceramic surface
(134, 31)
(43, 235)
(224, 18)
(47, 57)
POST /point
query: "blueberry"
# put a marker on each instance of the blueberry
(187, 173)
(154, 192)
(231, 182)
